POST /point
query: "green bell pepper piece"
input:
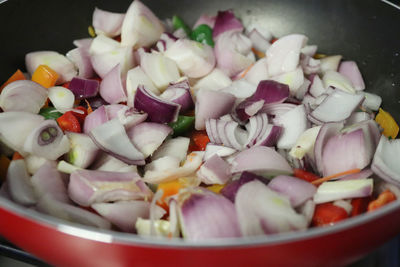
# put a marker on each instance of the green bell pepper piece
(203, 34)
(178, 23)
(50, 113)
(183, 125)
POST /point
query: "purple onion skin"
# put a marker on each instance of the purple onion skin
(84, 88)
(230, 190)
(226, 21)
(271, 92)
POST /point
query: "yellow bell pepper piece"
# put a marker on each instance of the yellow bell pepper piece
(388, 124)
(45, 76)
(216, 188)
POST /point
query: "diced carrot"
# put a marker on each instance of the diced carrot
(16, 156)
(4, 163)
(89, 108)
(200, 139)
(18, 75)
(384, 198)
(330, 177)
(45, 76)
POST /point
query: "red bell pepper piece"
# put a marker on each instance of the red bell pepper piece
(384, 198)
(328, 214)
(360, 205)
(305, 175)
(68, 122)
(79, 115)
(200, 140)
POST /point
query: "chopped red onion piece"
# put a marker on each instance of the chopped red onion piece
(23, 95)
(83, 151)
(261, 160)
(211, 105)
(230, 190)
(169, 170)
(111, 137)
(294, 79)
(309, 50)
(232, 51)
(309, 64)
(372, 101)
(59, 63)
(124, 214)
(140, 26)
(258, 72)
(71, 213)
(335, 79)
(346, 101)
(148, 136)
(307, 210)
(298, 191)
(330, 191)
(175, 147)
(260, 43)
(179, 93)
(81, 58)
(111, 88)
(220, 150)
(194, 59)
(284, 54)
(87, 187)
(226, 21)
(249, 108)
(107, 23)
(351, 71)
(83, 43)
(207, 215)
(94, 119)
(108, 163)
(317, 87)
(262, 211)
(214, 170)
(160, 69)
(215, 80)
(16, 126)
(345, 152)
(330, 63)
(385, 163)
(205, 19)
(159, 110)
(49, 181)
(19, 183)
(134, 78)
(84, 88)
(47, 140)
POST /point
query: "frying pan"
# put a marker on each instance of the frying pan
(362, 30)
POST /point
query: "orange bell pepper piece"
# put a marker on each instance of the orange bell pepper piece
(45, 76)
(18, 75)
(169, 189)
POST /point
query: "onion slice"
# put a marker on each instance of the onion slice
(107, 23)
(112, 138)
(19, 183)
(111, 88)
(385, 162)
(262, 211)
(226, 21)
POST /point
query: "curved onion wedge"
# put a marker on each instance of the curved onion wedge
(284, 54)
(174, 147)
(305, 143)
(140, 26)
(158, 175)
(62, 98)
(351, 71)
(226, 21)
(124, 214)
(206, 215)
(386, 160)
(94, 119)
(87, 187)
(112, 138)
(16, 126)
(108, 163)
(23, 95)
(261, 160)
(220, 150)
(330, 63)
(71, 213)
(111, 89)
(48, 181)
(107, 23)
(59, 63)
(262, 211)
(194, 59)
(215, 80)
(81, 58)
(211, 105)
(19, 183)
(215, 170)
(135, 77)
(83, 151)
(335, 79)
(47, 140)
(148, 136)
(298, 191)
(346, 101)
(330, 191)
